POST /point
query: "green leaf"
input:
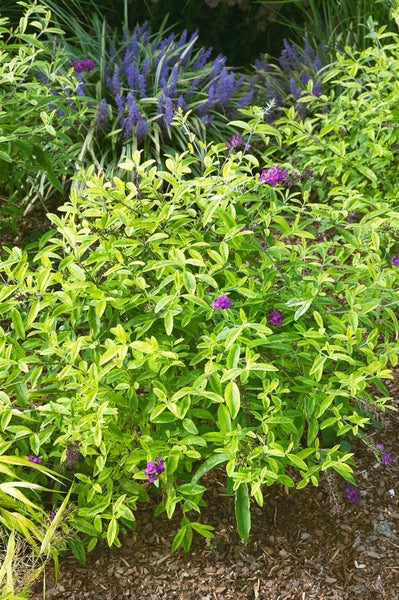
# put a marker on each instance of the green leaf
(210, 463)
(243, 512)
(17, 323)
(232, 397)
(112, 531)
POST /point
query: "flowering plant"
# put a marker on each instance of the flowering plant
(147, 78)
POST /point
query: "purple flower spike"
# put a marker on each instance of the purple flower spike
(395, 260)
(86, 64)
(276, 317)
(35, 459)
(154, 468)
(221, 303)
(352, 493)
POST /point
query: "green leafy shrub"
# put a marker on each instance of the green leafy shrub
(155, 324)
(40, 116)
(245, 317)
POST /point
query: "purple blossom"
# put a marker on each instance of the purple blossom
(246, 229)
(154, 468)
(352, 493)
(235, 142)
(379, 446)
(35, 459)
(222, 302)
(386, 459)
(102, 116)
(86, 64)
(276, 317)
(72, 455)
(273, 176)
(395, 260)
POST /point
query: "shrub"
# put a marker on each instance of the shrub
(244, 317)
(39, 118)
(164, 331)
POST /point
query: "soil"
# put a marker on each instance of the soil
(311, 544)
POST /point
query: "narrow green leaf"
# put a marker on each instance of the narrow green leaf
(243, 512)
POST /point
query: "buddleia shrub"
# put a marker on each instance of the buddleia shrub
(174, 324)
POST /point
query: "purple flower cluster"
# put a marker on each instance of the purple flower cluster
(299, 66)
(274, 175)
(83, 65)
(395, 260)
(352, 493)
(35, 459)
(386, 457)
(154, 468)
(276, 317)
(222, 302)
(72, 455)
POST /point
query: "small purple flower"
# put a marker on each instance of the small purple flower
(154, 468)
(35, 459)
(72, 455)
(86, 64)
(395, 260)
(246, 229)
(276, 317)
(52, 515)
(222, 302)
(379, 446)
(273, 176)
(235, 142)
(386, 459)
(352, 493)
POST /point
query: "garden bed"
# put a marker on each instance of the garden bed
(310, 544)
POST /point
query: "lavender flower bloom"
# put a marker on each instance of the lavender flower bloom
(102, 116)
(289, 57)
(352, 493)
(273, 176)
(222, 302)
(386, 459)
(72, 455)
(35, 459)
(276, 317)
(395, 260)
(86, 64)
(379, 446)
(235, 142)
(154, 468)
(202, 58)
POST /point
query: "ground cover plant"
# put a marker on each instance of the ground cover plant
(243, 316)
